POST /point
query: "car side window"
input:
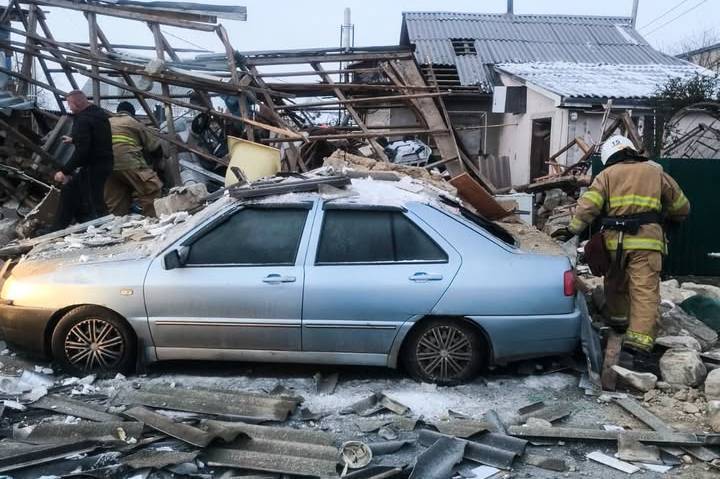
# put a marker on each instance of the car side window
(368, 236)
(251, 236)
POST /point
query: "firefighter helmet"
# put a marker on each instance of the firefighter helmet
(613, 145)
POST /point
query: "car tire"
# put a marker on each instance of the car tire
(444, 351)
(93, 340)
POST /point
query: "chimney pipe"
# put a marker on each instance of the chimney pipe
(346, 30)
(634, 12)
(510, 7)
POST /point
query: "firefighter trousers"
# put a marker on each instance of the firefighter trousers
(633, 296)
(123, 186)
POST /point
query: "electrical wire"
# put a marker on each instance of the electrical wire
(186, 41)
(672, 9)
(674, 18)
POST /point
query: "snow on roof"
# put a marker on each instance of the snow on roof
(599, 80)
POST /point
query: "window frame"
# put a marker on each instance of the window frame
(224, 217)
(393, 209)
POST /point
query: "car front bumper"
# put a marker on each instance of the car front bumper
(25, 327)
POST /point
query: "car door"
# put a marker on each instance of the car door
(240, 286)
(368, 271)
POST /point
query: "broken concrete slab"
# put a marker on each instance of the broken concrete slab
(545, 462)
(270, 462)
(49, 432)
(157, 459)
(632, 450)
(625, 467)
(641, 381)
(181, 198)
(438, 460)
(374, 404)
(682, 367)
(676, 322)
(189, 434)
(712, 385)
(682, 342)
(702, 289)
(326, 384)
(250, 407)
(72, 407)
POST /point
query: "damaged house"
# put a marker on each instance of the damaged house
(524, 86)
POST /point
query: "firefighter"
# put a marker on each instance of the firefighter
(132, 178)
(632, 197)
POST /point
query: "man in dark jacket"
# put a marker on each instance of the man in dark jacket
(84, 175)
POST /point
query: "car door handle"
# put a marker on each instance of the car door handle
(278, 278)
(422, 277)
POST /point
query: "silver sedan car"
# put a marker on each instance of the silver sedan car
(299, 278)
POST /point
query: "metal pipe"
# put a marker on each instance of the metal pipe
(634, 12)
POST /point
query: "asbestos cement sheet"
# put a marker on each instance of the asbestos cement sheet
(284, 434)
(498, 450)
(623, 466)
(72, 407)
(16, 455)
(254, 407)
(189, 434)
(154, 459)
(104, 431)
(270, 462)
(438, 460)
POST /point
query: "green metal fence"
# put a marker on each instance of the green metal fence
(692, 242)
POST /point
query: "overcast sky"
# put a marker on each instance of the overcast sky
(286, 24)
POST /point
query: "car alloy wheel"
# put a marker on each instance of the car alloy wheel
(94, 344)
(444, 353)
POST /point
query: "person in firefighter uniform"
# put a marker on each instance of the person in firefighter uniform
(633, 198)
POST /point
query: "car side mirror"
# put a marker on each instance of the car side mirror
(176, 258)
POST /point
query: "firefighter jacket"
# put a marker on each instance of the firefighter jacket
(129, 139)
(629, 188)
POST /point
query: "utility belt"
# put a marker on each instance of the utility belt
(629, 224)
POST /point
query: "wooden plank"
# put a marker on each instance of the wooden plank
(324, 58)
(358, 120)
(55, 52)
(295, 159)
(354, 101)
(587, 434)
(129, 80)
(477, 196)
(120, 13)
(25, 140)
(27, 61)
(608, 377)
(409, 74)
(94, 50)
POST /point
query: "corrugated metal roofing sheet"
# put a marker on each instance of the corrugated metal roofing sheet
(588, 80)
(501, 38)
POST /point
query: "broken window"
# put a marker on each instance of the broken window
(366, 236)
(252, 236)
(464, 46)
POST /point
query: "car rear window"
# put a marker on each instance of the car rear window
(372, 236)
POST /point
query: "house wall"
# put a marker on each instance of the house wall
(514, 139)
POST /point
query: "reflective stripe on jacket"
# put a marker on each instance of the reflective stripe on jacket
(628, 188)
(129, 139)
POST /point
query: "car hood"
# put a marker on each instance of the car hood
(121, 241)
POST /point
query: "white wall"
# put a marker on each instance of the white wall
(514, 140)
